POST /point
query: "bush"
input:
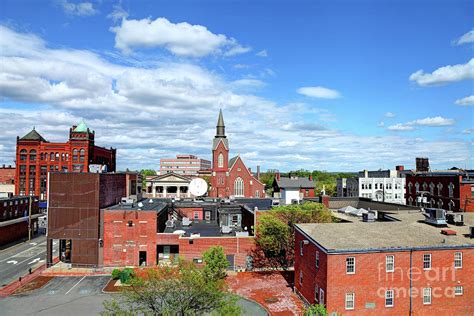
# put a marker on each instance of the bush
(124, 275)
(216, 263)
(116, 274)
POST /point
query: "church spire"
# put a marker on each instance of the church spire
(220, 128)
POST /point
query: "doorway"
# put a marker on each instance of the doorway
(142, 258)
(65, 250)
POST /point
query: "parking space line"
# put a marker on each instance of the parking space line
(75, 285)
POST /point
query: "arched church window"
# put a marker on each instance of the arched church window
(220, 161)
(239, 187)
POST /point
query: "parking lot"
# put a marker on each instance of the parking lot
(78, 296)
(61, 296)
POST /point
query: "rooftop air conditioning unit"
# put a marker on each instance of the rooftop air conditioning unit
(435, 216)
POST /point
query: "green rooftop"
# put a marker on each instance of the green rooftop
(81, 128)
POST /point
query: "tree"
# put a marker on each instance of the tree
(179, 290)
(315, 310)
(145, 173)
(275, 239)
(216, 263)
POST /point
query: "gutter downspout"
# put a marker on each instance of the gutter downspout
(411, 281)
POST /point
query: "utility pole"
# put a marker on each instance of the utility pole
(29, 220)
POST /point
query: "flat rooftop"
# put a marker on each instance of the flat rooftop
(146, 205)
(203, 228)
(409, 231)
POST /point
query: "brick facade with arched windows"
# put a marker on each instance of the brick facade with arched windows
(452, 191)
(36, 157)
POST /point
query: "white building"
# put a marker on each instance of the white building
(382, 185)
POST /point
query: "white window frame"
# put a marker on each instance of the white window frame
(239, 187)
(427, 255)
(458, 290)
(387, 263)
(321, 296)
(316, 293)
(301, 247)
(427, 296)
(458, 260)
(389, 296)
(317, 259)
(350, 298)
(220, 160)
(347, 265)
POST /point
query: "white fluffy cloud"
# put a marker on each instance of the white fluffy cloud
(469, 100)
(161, 110)
(390, 114)
(319, 92)
(262, 53)
(436, 121)
(79, 9)
(182, 39)
(445, 75)
(466, 38)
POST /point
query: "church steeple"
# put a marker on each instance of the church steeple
(220, 128)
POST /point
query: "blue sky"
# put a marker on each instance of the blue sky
(328, 85)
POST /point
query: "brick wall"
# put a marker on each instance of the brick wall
(371, 280)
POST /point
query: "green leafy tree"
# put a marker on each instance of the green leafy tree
(275, 233)
(215, 263)
(315, 310)
(180, 290)
(145, 173)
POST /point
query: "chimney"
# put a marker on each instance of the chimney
(277, 175)
(310, 177)
(258, 172)
(400, 168)
(250, 170)
(324, 199)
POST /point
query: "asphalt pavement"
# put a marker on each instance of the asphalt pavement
(60, 296)
(16, 261)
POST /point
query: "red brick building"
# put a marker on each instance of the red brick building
(35, 157)
(153, 232)
(370, 268)
(231, 177)
(7, 174)
(452, 190)
(15, 218)
(74, 217)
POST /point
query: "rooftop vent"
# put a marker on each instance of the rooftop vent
(455, 219)
(435, 216)
(126, 201)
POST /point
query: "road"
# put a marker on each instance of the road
(18, 259)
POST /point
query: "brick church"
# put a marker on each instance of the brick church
(231, 177)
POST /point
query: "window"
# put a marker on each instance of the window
(440, 188)
(427, 261)
(23, 154)
(432, 186)
(51, 156)
(390, 263)
(417, 187)
(410, 201)
(349, 300)
(317, 259)
(321, 296)
(350, 265)
(425, 186)
(257, 193)
(440, 203)
(451, 205)
(220, 161)
(427, 296)
(316, 293)
(74, 154)
(239, 187)
(82, 154)
(451, 190)
(32, 155)
(301, 277)
(458, 260)
(301, 247)
(409, 187)
(389, 298)
(458, 290)
(196, 216)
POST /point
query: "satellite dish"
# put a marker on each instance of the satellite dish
(198, 187)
